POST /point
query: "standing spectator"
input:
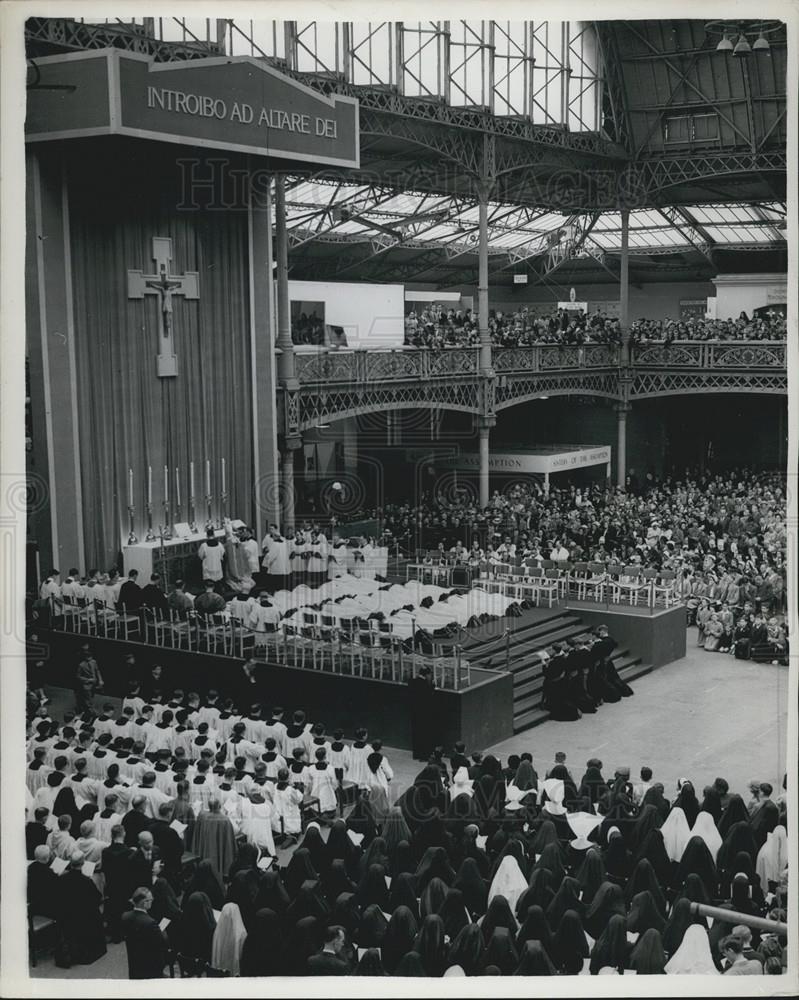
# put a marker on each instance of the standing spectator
(88, 680)
(144, 941)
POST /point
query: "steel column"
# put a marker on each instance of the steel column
(484, 430)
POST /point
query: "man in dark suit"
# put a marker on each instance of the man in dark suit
(153, 597)
(115, 861)
(42, 884)
(140, 866)
(135, 820)
(329, 962)
(168, 843)
(130, 593)
(145, 942)
(36, 832)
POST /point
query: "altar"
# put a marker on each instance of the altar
(173, 559)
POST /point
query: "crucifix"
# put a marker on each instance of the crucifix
(164, 285)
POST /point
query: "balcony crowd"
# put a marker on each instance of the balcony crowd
(436, 328)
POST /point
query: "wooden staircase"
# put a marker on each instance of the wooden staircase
(526, 640)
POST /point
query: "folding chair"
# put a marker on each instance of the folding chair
(665, 586)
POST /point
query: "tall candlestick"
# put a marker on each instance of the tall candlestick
(149, 485)
(130, 487)
(208, 477)
(223, 475)
(177, 486)
(166, 484)
(191, 480)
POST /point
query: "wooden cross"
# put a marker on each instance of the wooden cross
(164, 285)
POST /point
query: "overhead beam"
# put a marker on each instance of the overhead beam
(700, 240)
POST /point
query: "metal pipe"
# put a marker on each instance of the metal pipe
(733, 917)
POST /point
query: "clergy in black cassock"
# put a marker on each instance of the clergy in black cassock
(422, 704)
(78, 902)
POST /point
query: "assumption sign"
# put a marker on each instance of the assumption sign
(238, 103)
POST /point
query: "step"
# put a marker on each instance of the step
(489, 645)
(529, 715)
(520, 652)
(529, 719)
(535, 681)
(531, 693)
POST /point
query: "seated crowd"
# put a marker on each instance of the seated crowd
(166, 838)
(436, 328)
(723, 535)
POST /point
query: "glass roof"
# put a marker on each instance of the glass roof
(338, 212)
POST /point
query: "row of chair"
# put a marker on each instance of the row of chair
(353, 646)
(582, 581)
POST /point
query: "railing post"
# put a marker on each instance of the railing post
(507, 649)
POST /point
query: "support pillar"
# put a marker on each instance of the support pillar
(262, 354)
(288, 493)
(287, 375)
(482, 281)
(286, 368)
(546, 484)
(622, 409)
(484, 431)
(624, 287)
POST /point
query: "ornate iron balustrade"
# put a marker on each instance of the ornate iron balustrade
(334, 384)
(397, 365)
(419, 363)
(711, 354)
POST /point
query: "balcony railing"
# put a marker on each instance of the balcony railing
(412, 364)
(711, 354)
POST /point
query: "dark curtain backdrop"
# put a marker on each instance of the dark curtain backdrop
(121, 195)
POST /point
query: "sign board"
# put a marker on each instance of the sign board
(530, 463)
(238, 103)
(693, 308)
(610, 309)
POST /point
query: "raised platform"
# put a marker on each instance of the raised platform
(647, 639)
(658, 636)
(480, 715)
(504, 696)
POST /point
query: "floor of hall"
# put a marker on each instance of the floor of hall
(704, 716)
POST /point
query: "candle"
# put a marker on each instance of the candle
(207, 477)
(177, 486)
(149, 485)
(166, 484)
(130, 487)
(191, 481)
(223, 475)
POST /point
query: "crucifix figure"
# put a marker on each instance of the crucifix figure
(164, 285)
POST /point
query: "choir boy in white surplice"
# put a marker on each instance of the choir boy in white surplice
(317, 563)
(337, 558)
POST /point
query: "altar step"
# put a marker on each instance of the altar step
(533, 631)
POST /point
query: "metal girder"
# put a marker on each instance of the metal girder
(514, 389)
(617, 98)
(335, 404)
(358, 202)
(689, 229)
(658, 173)
(70, 34)
(647, 385)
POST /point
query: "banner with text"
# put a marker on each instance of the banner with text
(239, 103)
